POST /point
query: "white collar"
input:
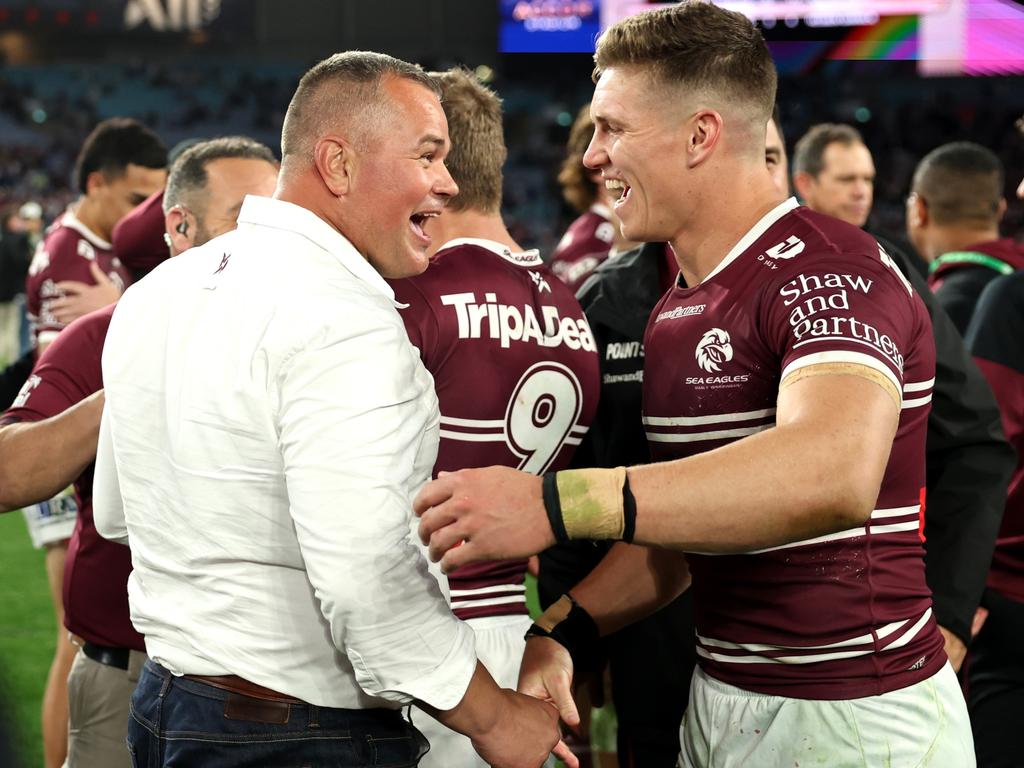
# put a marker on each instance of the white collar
(753, 234)
(280, 214)
(71, 221)
(529, 258)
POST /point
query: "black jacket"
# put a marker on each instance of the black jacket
(13, 378)
(968, 460)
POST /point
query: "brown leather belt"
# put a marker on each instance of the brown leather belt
(243, 687)
(249, 701)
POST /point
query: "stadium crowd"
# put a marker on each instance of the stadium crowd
(752, 419)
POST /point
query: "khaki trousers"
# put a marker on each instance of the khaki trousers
(98, 699)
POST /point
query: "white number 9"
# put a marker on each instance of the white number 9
(541, 415)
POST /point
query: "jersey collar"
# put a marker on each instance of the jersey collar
(71, 221)
(754, 234)
(529, 258)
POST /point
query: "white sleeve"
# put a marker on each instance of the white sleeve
(355, 407)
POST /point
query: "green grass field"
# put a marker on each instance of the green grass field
(27, 635)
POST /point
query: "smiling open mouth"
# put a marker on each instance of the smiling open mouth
(620, 187)
(418, 220)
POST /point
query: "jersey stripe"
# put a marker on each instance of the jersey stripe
(812, 658)
(919, 386)
(862, 530)
(692, 421)
(695, 437)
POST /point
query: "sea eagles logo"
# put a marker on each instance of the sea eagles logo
(714, 348)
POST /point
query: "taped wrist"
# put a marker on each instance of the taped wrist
(569, 624)
(595, 504)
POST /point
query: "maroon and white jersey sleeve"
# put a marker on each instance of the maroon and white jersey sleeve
(65, 254)
(843, 615)
(583, 247)
(516, 374)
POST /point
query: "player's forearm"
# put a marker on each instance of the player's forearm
(785, 484)
(40, 459)
(630, 583)
(478, 712)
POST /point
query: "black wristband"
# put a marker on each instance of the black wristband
(553, 506)
(628, 512)
(576, 631)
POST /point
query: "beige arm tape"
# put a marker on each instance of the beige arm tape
(847, 369)
(556, 613)
(592, 502)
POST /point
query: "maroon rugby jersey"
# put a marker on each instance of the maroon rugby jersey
(96, 570)
(65, 254)
(583, 247)
(843, 615)
(516, 374)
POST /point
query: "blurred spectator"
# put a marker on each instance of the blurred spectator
(953, 212)
(834, 173)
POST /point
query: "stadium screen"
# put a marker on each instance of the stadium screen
(945, 37)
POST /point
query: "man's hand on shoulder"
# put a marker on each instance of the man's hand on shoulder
(81, 298)
(475, 515)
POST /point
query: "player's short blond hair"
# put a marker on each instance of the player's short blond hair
(699, 46)
(478, 150)
(578, 188)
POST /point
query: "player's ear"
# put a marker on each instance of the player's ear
(705, 132)
(1001, 210)
(917, 211)
(334, 159)
(96, 180)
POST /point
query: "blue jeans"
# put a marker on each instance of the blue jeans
(182, 723)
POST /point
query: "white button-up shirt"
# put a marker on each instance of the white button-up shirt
(266, 424)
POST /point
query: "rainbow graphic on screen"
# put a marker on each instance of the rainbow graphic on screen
(894, 38)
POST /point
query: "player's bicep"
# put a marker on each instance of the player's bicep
(851, 407)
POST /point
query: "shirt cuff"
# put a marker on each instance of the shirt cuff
(443, 687)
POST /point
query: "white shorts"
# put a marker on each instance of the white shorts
(500, 643)
(53, 521)
(923, 725)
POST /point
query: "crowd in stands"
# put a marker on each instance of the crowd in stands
(45, 111)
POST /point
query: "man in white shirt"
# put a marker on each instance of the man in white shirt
(266, 423)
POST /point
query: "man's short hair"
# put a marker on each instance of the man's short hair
(115, 144)
(578, 188)
(186, 182)
(809, 153)
(345, 86)
(478, 150)
(960, 182)
(699, 45)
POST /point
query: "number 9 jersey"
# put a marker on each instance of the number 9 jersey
(516, 373)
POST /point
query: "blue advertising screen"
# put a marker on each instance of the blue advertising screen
(547, 26)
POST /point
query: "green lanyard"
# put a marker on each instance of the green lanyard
(972, 257)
